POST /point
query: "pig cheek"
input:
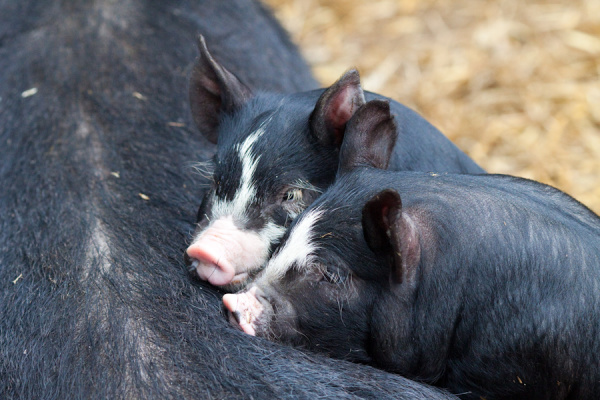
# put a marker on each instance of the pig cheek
(282, 324)
(278, 320)
(345, 306)
(280, 216)
(203, 211)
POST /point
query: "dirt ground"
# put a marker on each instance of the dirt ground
(515, 84)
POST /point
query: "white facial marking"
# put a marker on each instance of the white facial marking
(271, 233)
(246, 191)
(298, 249)
(235, 210)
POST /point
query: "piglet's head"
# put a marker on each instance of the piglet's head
(340, 257)
(275, 155)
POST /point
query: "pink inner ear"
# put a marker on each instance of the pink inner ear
(340, 110)
(210, 85)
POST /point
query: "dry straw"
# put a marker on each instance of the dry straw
(513, 83)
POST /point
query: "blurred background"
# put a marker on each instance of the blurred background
(515, 84)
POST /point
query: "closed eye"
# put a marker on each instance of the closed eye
(333, 277)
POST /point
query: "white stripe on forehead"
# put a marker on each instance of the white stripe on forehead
(297, 250)
(246, 191)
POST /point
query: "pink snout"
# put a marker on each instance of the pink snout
(210, 263)
(223, 253)
(244, 309)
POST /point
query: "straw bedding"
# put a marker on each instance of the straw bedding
(513, 83)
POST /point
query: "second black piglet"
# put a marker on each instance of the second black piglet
(276, 153)
(487, 285)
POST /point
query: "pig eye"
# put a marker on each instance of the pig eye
(293, 195)
(292, 202)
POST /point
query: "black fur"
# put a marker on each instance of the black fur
(96, 204)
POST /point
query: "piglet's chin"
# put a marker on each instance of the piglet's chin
(240, 279)
(217, 274)
(244, 310)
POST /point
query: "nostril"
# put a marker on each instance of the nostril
(193, 252)
(211, 263)
(244, 310)
(234, 318)
(233, 314)
(204, 252)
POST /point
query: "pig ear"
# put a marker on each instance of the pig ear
(335, 107)
(370, 137)
(213, 90)
(393, 235)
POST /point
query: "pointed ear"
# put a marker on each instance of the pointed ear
(213, 90)
(393, 235)
(370, 137)
(335, 107)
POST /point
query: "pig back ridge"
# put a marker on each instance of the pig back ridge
(96, 203)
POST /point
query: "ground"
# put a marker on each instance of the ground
(515, 84)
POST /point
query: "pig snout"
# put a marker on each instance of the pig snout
(222, 253)
(244, 309)
(210, 263)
